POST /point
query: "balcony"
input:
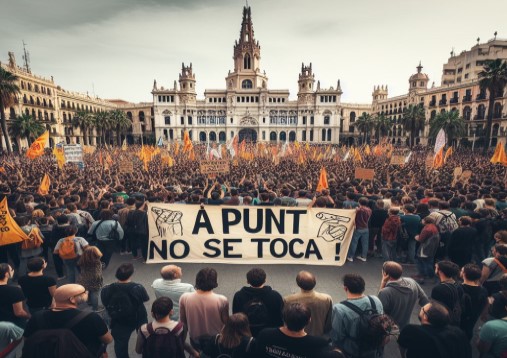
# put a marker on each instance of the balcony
(454, 100)
(433, 103)
(481, 97)
(442, 102)
(467, 98)
(479, 117)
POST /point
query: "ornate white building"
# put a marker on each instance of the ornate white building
(247, 106)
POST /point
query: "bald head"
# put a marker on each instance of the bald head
(171, 272)
(393, 269)
(306, 280)
(69, 296)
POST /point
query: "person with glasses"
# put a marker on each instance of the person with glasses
(90, 328)
(434, 337)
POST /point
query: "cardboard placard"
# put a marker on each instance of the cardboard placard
(363, 173)
(126, 166)
(73, 154)
(214, 166)
(457, 172)
(466, 175)
(397, 160)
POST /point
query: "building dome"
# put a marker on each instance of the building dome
(419, 76)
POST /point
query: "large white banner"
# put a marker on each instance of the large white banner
(248, 234)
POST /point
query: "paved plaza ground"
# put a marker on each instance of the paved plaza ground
(281, 277)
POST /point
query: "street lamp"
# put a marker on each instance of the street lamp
(473, 127)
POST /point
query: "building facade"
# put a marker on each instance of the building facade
(248, 107)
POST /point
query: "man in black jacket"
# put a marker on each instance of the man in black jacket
(259, 302)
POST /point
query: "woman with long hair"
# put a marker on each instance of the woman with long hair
(235, 339)
(91, 275)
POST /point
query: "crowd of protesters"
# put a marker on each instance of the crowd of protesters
(453, 230)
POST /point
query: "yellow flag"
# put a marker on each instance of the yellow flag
(367, 150)
(448, 153)
(10, 232)
(44, 185)
(37, 147)
(124, 144)
(357, 156)
(187, 143)
(322, 180)
(60, 157)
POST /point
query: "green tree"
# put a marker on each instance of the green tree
(84, 121)
(364, 124)
(413, 121)
(494, 79)
(119, 121)
(26, 126)
(103, 124)
(382, 125)
(452, 124)
(9, 90)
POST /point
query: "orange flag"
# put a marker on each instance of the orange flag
(448, 153)
(44, 185)
(499, 156)
(187, 143)
(10, 232)
(367, 150)
(37, 147)
(439, 159)
(322, 180)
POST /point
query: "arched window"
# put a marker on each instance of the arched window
(467, 113)
(272, 136)
(221, 136)
(141, 116)
(323, 135)
(246, 84)
(352, 117)
(246, 62)
(212, 137)
(329, 135)
(283, 136)
(326, 120)
(129, 116)
(202, 136)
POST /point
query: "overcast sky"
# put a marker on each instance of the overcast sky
(116, 48)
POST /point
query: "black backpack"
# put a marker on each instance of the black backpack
(122, 306)
(163, 342)
(92, 239)
(61, 342)
(257, 313)
(114, 234)
(373, 328)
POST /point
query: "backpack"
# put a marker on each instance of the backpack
(114, 235)
(447, 223)
(68, 249)
(163, 342)
(257, 313)
(93, 237)
(61, 342)
(457, 297)
(122, 306)
(34, 240)
(373, 329)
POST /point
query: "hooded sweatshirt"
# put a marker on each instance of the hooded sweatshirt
(269, 297)
(399, 298)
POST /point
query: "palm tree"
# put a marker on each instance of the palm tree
(382, 126)
(103, 124)
(413, 121)
(84, 121)
(119, 121)
(494, 79)
(452, 124)
(26, 126)
(364, 124)
(8, 94)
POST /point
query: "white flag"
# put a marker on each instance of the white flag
(440, 141)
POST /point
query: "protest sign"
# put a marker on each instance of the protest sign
(214, 166)
(73, 154)
(398, 160)
(248, 235)
(364, 174)
(126, 166)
